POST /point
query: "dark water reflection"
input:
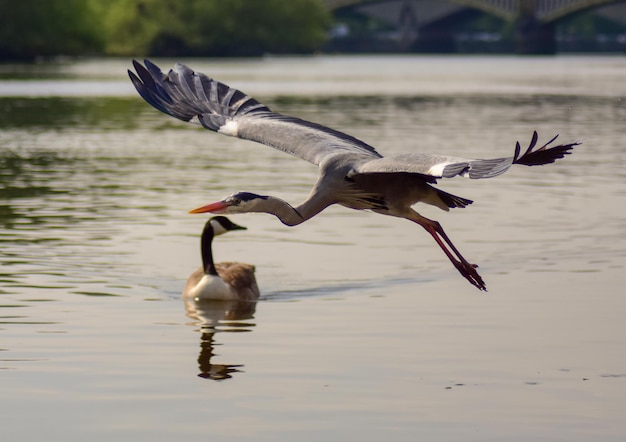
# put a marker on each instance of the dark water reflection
(63, 113)
(212, 318)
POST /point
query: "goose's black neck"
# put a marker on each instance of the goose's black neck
(207, 253)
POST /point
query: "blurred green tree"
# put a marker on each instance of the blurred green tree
(214, 27)
(36, 28)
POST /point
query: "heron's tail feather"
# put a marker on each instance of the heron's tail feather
(452, 201)
(543, 155)
(185, 94)
(477, 169)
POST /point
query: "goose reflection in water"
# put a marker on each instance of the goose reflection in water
(217, 317)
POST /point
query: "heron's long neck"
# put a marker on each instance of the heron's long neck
(289, 215)
(207, 254)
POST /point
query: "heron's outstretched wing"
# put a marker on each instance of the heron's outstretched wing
(440, 166)
(185, 94)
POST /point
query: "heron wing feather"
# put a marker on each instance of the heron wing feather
(185, 94)
(436, 166)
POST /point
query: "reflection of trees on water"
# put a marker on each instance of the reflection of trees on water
(217, 317)
(35, 164)
(70, 113)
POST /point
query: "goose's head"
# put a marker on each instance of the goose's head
(220, 225)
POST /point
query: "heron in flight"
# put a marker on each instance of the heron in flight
(351, 172)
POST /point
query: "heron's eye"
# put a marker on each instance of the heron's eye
(235, 201)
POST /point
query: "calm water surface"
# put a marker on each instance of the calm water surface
(364, 330)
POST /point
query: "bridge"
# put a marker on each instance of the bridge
(534, 20)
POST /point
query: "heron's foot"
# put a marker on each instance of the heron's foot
(469, 272)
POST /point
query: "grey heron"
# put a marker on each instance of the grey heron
(351, 172)
(224, 281)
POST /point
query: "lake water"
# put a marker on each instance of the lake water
(364, 330)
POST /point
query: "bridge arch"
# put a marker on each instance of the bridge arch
(534, 20)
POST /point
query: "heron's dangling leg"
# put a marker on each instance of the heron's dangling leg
(462, 265)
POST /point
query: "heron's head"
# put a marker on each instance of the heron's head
(242, 202)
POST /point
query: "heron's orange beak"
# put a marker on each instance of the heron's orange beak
(210, 208)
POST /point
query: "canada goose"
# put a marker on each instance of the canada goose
(225, 280)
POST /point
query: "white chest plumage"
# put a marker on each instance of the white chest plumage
(212, 287)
